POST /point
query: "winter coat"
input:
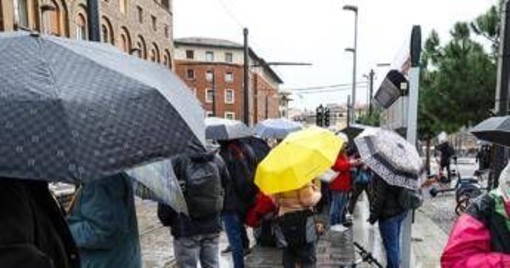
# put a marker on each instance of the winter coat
(104, 225)
(384, 201)
(302, 199)
(241, 163)
(481, 236)
(182, 225)
(343, 181)
(33, 233)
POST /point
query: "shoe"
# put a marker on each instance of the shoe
(247, 251)
(348, 217)
(338, 228)
(226, 250)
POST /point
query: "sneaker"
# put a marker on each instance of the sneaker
(348, 217)
(226, 250)
(338, 228)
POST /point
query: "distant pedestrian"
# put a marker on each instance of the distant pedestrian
(446, 153)
(34, 233)
(386, 209)
(104, 225)
(203, 178)
(297, 226)
(481, 236)
(340, 188)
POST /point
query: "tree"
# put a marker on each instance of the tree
(458, 82)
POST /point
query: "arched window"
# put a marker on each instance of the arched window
(107, 31)
(23, 13)
(142, 48)
(125, 40)
(154, 53)
(81, 27)
(167, 59)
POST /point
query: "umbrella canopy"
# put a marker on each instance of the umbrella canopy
(298, 159)
(222, 129)
(157, 182)
(276, 128)
(391, 157)
(495, 130)
(353, 130)
(73, 110)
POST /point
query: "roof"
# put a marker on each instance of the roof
(222, 43)
(208, 42)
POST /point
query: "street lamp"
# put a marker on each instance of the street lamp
(354, 52)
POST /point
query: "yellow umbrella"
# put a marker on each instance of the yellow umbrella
(298, 159)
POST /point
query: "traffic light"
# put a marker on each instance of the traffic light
(326, 117)
(319, 116)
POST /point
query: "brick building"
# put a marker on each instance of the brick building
(204, 62)
(134, 26)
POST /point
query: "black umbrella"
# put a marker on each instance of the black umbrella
(222, 129)
(75, 110)
(494, 129)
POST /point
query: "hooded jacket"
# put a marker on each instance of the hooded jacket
(343, 181)
(384, 201)
(104, 225)
(33, 233)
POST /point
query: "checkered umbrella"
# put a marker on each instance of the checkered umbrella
(225, 129)
(391, 157)
(73, 110)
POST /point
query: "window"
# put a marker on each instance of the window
(52, 17)
(209, 114)
(140, 14)
(190, 54)
(229, 57)
(142, 47)
(167, 59)
(190, 74)
(167, 31)
(154, 53)
(107, 31)
(229, 77)
(230, 115)
(209, 75)
(194, 91)
(154, 23)
(209, 56)
(209, 95)
(125, 40)
(229, 96)
(81, 27)
(123, 6)
(22, 13)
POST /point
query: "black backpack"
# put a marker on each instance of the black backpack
(410, 199)
(200, 180)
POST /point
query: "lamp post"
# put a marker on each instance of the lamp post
(354, 52)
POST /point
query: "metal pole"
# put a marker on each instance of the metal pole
(246, 80)
(348, 110)
(412, 128)
(93, 20)
(371, 91)
(267, 104)
(354, 57)
(502, 87)
(214, 92)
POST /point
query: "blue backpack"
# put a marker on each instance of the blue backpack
(363, 176)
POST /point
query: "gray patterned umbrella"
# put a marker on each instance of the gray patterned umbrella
(276, 128)
(225, 129)
(73, 110)
(391, 157)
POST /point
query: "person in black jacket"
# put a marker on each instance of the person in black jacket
(34, 233)
(196, 239)
(385, 208)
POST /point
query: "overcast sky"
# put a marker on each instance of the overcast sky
(318, 31)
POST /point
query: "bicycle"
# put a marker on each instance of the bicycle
(366, 257)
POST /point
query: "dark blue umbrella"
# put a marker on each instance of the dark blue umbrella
(494, 129)
(276, 128)
(73, 110)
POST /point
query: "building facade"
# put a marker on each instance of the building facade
(213, 70)
(141, 27)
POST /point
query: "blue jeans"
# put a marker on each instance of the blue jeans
(339, 201)
(237, 237)
(390, 234)
(189, 251)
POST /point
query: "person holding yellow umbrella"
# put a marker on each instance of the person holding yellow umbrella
(287, 174)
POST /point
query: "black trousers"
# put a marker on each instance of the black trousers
(358, 189)
(304, 255)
